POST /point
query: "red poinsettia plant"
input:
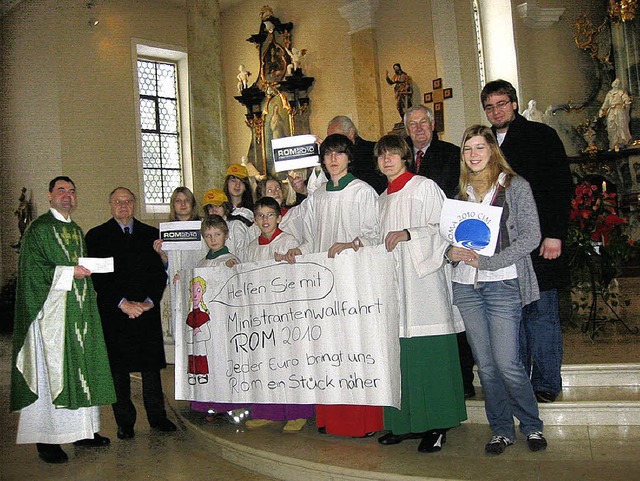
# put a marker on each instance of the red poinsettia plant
(594, 213)
(596, 229)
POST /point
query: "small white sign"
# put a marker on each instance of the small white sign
(97, 265)
(297, 152)
(471, 225)
(181, 235)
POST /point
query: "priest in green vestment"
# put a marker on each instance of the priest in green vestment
(60, 371)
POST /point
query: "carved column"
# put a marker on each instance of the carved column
(364, 47)
(208, 115)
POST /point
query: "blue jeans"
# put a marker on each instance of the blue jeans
(491, 315)
(541, 343)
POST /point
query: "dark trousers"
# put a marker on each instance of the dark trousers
(152, 395)
(466, 362)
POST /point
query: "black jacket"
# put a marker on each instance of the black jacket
(364, 166)
(441, 164)
(133, 344)
(535, 152)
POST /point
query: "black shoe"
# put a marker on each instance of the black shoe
(497, 445)
(390, 438)
(536, 441)
(365, 435)
(433, 441)
(51, 453)
(545, 396)
(126, 432)
(164, 425)
(97, 441)
(469, 392)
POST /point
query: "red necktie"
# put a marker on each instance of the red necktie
(419, 160)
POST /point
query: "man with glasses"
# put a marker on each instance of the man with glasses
(535, 152)
(129, 304)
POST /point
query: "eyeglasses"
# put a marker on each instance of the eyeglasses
(502, 105)
(269, 215)
(273, 191)
(123, 202)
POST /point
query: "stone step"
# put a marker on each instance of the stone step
(579, 406)
(601, 375)
(574, 375)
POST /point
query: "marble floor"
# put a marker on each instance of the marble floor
(201, 450)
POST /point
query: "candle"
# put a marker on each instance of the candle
(604, 186)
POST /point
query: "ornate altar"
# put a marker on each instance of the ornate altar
(277, 102)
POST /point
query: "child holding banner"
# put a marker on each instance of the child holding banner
(341, 214)
(432, 393)
(215, 201)
(273, 244)
(215, 233)
(490, 291)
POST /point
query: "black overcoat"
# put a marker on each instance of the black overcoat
(133, 344)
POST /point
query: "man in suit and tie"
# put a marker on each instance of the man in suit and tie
(433, 158)
(129, 305)
(440, 162)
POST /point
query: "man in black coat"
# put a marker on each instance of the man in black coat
(440, 162)
(535, 152)
(129, 305)
(364, 165)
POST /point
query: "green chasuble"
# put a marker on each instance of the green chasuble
(68, 322)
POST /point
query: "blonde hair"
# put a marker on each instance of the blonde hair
(203, 284)
(497, 161)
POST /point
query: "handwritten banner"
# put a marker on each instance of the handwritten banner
(318, 331)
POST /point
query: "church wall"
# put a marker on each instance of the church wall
(552, 69)
(67, 89)
(320, 30)
(68, 105)
(404, 33)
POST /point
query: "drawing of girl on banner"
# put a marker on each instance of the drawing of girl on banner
(198, 334)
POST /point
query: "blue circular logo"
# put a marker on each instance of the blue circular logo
(473, 234)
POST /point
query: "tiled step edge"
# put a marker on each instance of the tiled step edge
(610, 413)
(594, 375)
(288, 468)
(601, 375)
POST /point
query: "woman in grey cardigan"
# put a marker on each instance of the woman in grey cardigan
(490, 291)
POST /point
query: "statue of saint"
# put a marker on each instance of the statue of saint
(402, 87)
(532, 113)
(24, 214)
(243, 78)
(616, 107)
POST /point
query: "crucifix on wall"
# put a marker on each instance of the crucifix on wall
(437, 97)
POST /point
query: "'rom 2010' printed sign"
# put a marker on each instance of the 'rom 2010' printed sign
(318, 331)
(297, 152)
(183, 235)
(471, 225)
